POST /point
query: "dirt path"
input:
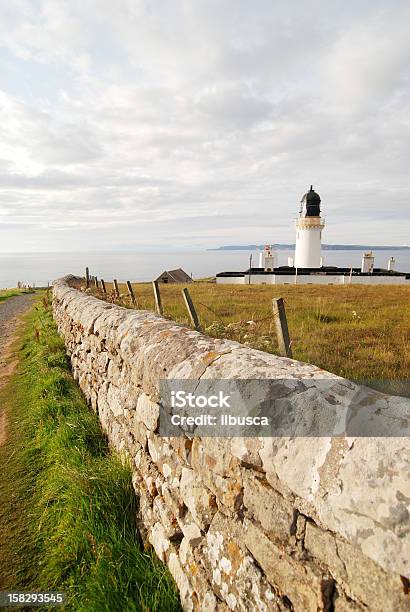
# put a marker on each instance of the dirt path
(10, 310)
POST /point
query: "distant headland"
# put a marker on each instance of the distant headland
(325, 247)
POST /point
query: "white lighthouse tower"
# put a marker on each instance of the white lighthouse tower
(309, 227)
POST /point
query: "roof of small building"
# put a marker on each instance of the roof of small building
(175, 276)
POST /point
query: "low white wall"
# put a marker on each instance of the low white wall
(235, 280)
(314, 279)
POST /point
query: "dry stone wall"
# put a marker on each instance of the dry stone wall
(243, 524)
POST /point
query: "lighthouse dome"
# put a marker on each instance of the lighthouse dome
(311, 203)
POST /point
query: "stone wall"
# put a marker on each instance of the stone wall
(243, 524)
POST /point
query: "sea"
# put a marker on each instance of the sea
(40, 269)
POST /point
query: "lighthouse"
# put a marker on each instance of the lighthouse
(307, 267)
(309, 227)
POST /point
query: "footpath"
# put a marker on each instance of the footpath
(10, 311)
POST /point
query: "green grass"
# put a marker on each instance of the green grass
(67, 505)
(7, 293)
(359, 332)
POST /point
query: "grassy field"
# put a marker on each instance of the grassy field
(360, 332)
(67, 506)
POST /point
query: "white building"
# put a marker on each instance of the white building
(307, 265)
(368, 262)
(268, 259)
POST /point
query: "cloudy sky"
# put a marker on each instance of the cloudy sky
(196, 123)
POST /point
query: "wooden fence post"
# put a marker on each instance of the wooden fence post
(103, 286)
(87, 277)
(131, 293)
(281, 324)
(157, 296)
(96, 282)
(191, 309)
(116, 290)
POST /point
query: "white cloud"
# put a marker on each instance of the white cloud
(204, 121)
(370, 60)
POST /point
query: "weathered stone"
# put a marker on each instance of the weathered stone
(146, 473)
(199, 500)
(361, 578)
(113, 370)
(192, 537)
(214, 455)
(147, 412)
(180, 577)
(203, 596)
(247, 450)
(165, 458)
(300, 527)
(167, 518)
(145, 514)
(182, 447)
(368, 502)
(234, 575)
(159, 541)
(173, 501)
(227, 489)
(303, 584)
(121, 397)
(343, 604)
(275, 515)
(322, 545)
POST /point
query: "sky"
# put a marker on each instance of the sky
(198, 123)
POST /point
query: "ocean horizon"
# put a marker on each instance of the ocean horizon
(41, 269)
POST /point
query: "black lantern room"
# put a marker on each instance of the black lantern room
(310, 204)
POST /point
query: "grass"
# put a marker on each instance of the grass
(7, 293)
(359, 332)
(67, 505)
